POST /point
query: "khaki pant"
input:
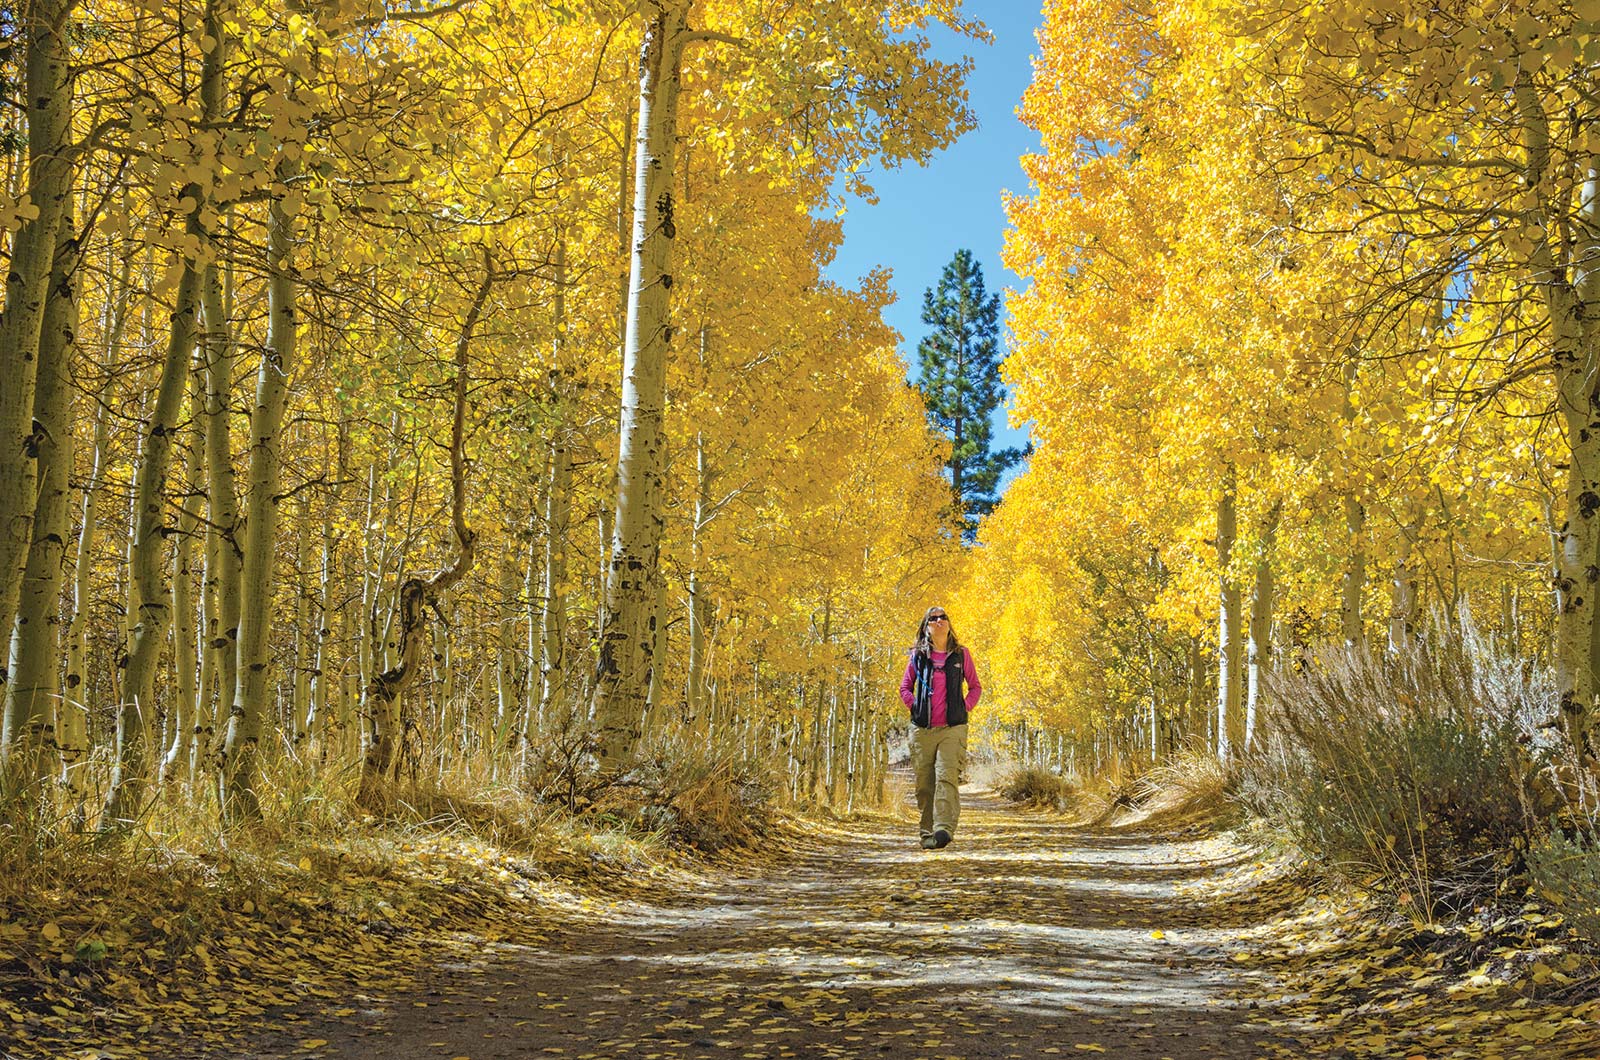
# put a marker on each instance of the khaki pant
(938, 756)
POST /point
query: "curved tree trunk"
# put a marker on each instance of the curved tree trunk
(383, 692)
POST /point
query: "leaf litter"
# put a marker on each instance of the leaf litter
(1029, 936)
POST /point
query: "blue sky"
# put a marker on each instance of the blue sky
(925, 214)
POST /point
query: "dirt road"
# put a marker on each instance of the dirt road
(1024, 938)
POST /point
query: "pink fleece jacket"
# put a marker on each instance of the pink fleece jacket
(937, 703)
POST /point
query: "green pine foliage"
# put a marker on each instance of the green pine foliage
(960, 382)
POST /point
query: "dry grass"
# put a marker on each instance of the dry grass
(1035, 786)
(1416, 775)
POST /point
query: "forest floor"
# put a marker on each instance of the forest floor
(1030, 936)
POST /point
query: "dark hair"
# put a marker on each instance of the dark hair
(924, 643)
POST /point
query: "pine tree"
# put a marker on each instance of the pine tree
(960, 382)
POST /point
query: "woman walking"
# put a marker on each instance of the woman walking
(940, 688)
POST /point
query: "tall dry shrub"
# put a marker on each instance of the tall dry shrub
(1425, 774)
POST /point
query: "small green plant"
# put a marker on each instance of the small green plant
(1564, 868)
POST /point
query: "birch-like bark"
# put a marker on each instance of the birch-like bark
(1571, 297)
(224, 563)
(221, 491)
(505, 669)
(622, 675)
(1403, 590)
(47, 90)
(552, 668)
(72, 737)
(533, 602)
(553, 621)
(147, 564)
(209, 693)
(319, 726)
(1261, 601)
(699, 605)
(185, 662)
(73, 724)
(251, 692)
(1230, 718)
(28, 736)
(301, 715)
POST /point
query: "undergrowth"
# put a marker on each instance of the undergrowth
(319, 889)
(1035, 786)
(1429, 776)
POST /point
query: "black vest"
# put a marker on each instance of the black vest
(955, 694)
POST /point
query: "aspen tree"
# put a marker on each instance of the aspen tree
(47, 191)
(223, 567)
(33, 693)
(1262, 597)
(175, 755)
(72, 728)
(248, 700)
(147, 552)
(699, 605)
(623, 673)
(1230, 716)
(382, 694)
(552, 662)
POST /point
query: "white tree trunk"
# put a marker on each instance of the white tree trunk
(552, 629)
(699, 605)
(221, 491)
(73, 735)
(319, 726)
(553, 621)
(46, 87)
(1261, 600)
(250, 703)
(622, 676)
(1230, 718)
(505, 669)
(300, 712)
(147, 564)
(1571, 290)
(29, 733)
(1403, 590)
(185, 687)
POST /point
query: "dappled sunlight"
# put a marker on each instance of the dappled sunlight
(1022, 936)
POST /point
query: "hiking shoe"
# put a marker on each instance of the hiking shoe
(940, 838)
(928, 842)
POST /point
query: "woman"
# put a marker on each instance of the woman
(932, 690)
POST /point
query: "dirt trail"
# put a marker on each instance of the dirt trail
(1025, 938)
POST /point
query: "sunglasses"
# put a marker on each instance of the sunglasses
(938, 618)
